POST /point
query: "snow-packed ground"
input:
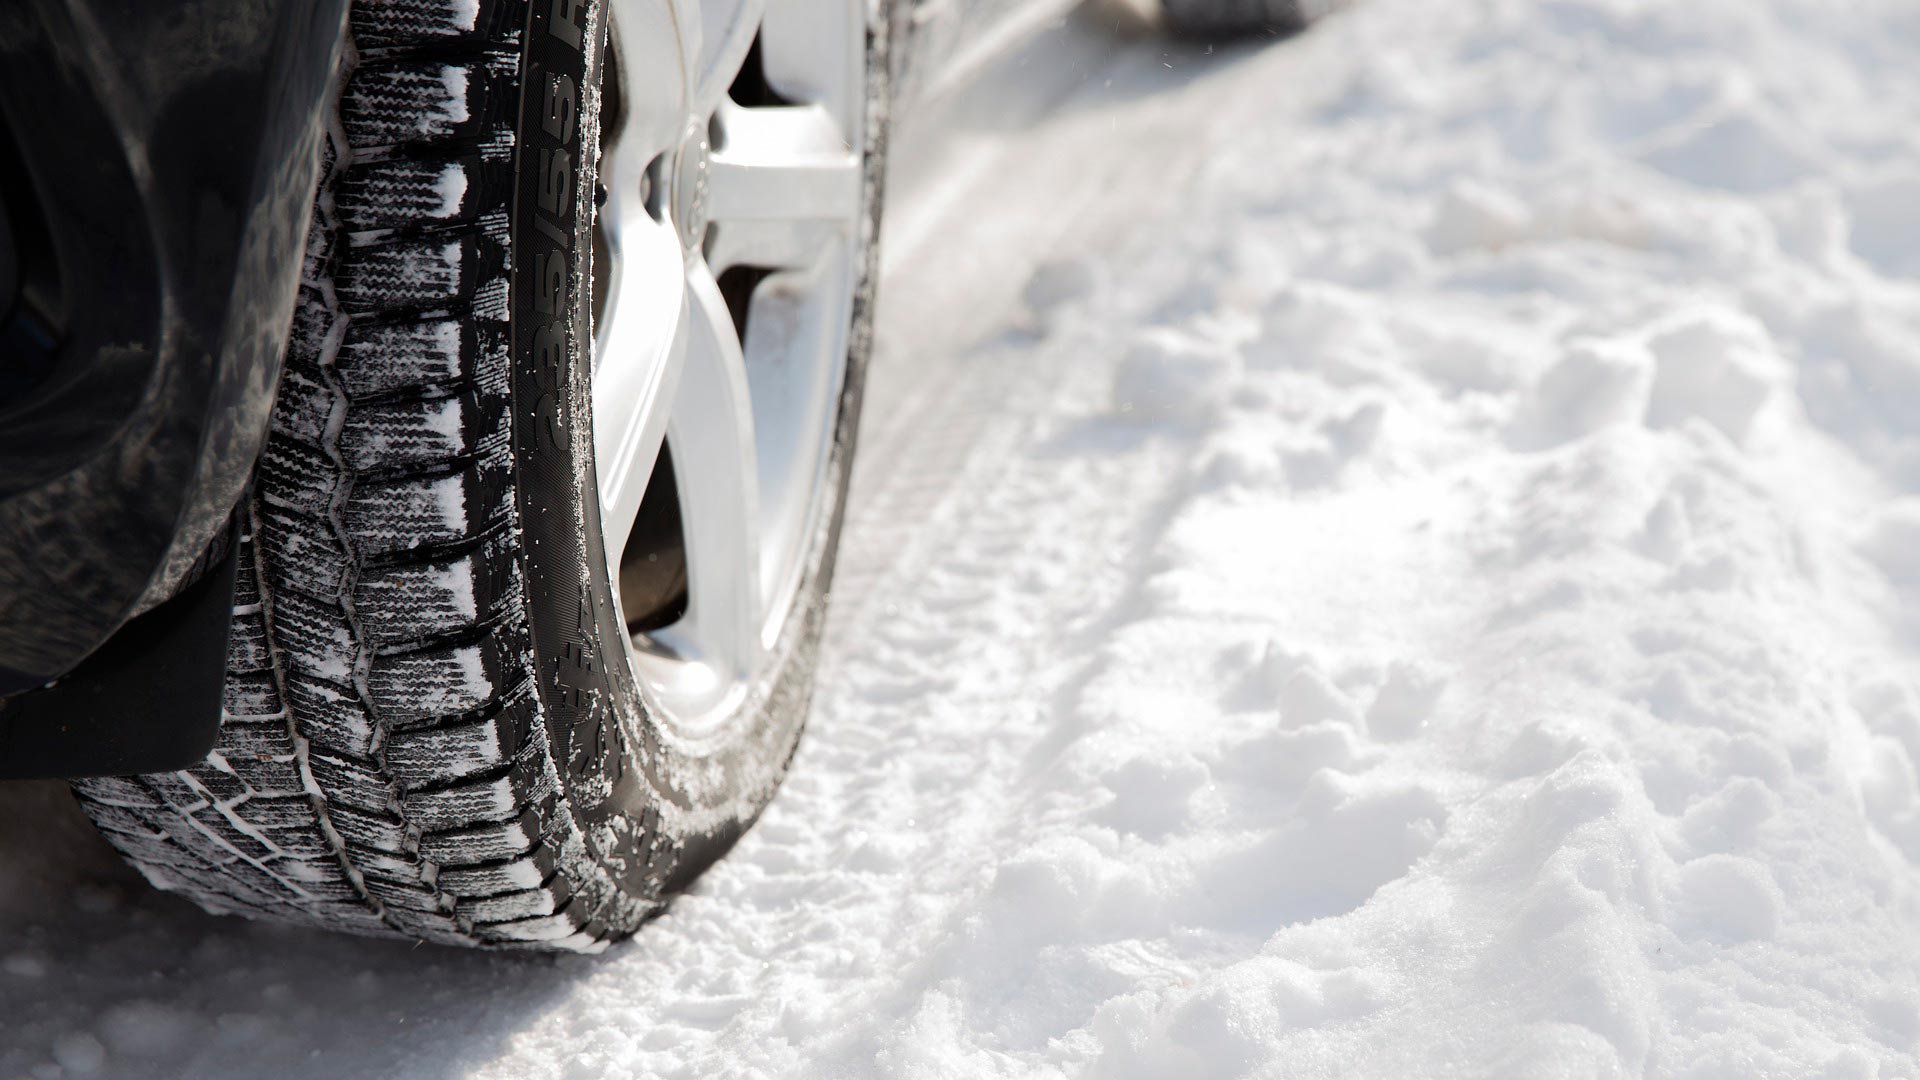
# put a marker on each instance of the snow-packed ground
(1390, 554)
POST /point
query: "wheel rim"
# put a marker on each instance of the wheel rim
(737, 387)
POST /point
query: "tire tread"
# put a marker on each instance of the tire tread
(378, 768)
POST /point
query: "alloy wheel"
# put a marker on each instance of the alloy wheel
(727, 252)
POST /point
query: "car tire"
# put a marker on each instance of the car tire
(1214, 19)
(435, 724)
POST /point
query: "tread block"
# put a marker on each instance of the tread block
(333, 894)
(499, 798)
(414, 602)
(123, 820)
(315, 638)
(311, 873)
(351, 783)
(278, 810)
(395, 103)
(530, 871)
(386, 518)
(175, 791)
(216, 784)
(483, 843)
(399, 23)
(247, 737)
(352, 916)
(550, 898)
(367, 828)
(247, 649)
(250, 889)
(234, 841)
(411, 192)
(265, 774)
(442, 682)
(298, 478)
(561, 926)
(400, 867)
(276, 892)
(305, 408)
(313, 315)
(400, 896)
(330, 718)
(118, 791)
(408, 274)
(414, 434)
(151, 850)
(379, 358)
(250, 695)
(306, 558)
(246, 583)
(443, 755)
(190, 830)
(297, 845)
(427, 926)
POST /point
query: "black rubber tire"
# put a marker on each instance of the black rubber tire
(1218, 19)
(430, 728)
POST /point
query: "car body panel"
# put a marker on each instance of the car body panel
(160, 174)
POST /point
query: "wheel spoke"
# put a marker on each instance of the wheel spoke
(639, 350)
(796, 378)
(787, 164)
(782, 185)
(655, 48)
(712, 434)
(728, 28)
(816, 53)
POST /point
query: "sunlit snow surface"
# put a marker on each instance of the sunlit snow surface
(1388, 554)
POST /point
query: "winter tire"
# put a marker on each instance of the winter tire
(536, 560)
(1233, 18)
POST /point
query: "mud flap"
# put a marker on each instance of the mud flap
(148, 700)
